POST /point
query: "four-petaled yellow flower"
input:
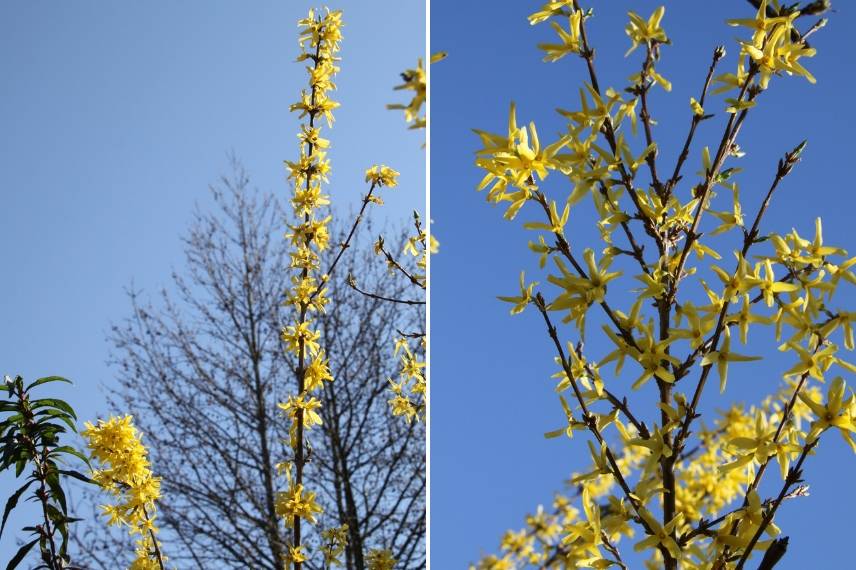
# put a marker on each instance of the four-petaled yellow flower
(382, 175)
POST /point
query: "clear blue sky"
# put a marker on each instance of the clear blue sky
(116, 116)
(492, 398)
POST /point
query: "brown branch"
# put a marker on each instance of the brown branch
(587, 53)
(590, 420)
(651, 53)
(636, 251)
(347, 243)
(784, 168)
(775, 552)
(613, 549)
(393, 263)
(352, 283)
(155, 547)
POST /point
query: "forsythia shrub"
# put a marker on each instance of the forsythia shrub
(683, 492)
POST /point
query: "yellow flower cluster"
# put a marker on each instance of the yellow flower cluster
(334, 542)
(409, 392)
(643, 32)
(125, 472)
(773, 47)
(297, 503)
(710, 480)
(382, 175)
(380, 559)
(683, 321)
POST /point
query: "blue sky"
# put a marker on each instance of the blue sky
(116, 118)
(492, 396)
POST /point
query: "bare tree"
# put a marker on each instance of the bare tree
(203, 368)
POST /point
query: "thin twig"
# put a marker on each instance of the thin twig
(718, 53)
(353, 285)
(347, 243)
(395, 265)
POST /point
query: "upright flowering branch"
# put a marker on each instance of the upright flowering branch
(319, 38)
(705, 485)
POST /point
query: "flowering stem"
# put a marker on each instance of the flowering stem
(636, 249)
(785, 167)
(786, 414)
(732, 128)
(613, 549)
(793, 477)
(587, 54)
(565, 249)
(155, 547)
(299, 459)
(644, 87)
(397, 266)
(590, 420)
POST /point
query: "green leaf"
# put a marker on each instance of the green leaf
(58, 414)
(48, 431)
(57, 494)
(12, 453)
(71, 451)
(47, 379)
(77, 475)
(54, 403)
(15, 419)
(13, 502)
(19, 556)
(63, 530)
(54, 513)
